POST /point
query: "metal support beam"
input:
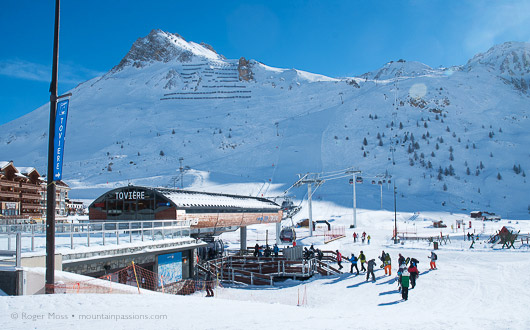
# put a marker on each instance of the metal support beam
(310, 209)
(243, 238)
(278, 230)
(354, 201)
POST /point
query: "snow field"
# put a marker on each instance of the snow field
(482, 288)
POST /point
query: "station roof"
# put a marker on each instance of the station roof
(191, 199)
(187, 199)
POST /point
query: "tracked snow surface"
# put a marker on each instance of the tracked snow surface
(479, 288)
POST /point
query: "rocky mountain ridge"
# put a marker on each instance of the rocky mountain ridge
(451, 138)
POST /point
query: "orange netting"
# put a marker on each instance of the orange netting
(334, 233)
(134, 279)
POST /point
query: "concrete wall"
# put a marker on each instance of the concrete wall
(40, 261)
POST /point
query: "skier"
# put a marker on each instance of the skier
(364, 236)
(339, 259)
(276, 249)
(414, 273)
(267, 251)
(401, 268)
(382, 258)
(320, 254)
(362, 259)
(371, 265)
(209, 291)
(256, 250)
(405, 280)
(353, 261)
(401, 260)
(388, 264)
(354, 237)
(368, 238)
(433, 258)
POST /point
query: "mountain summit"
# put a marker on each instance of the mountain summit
(510, 61)
(450, 139)
(160, 46)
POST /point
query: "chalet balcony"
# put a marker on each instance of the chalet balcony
(31, 207)
(30, 186)
(9, 194)
(4, 183)
(34, 197)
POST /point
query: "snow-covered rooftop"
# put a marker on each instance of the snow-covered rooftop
(186, 198)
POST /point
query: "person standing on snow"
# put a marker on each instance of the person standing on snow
(401, 268)
(353, 260)
(388, 264)
(368, 238)
(339, 259)
(256, 250)
(371, 265)
(209, 291)
(363, 236)
(362, 259)
(276, 249)
(405, 285)
(414, 273)
(354, 237)
(433, 258)
(401, 260)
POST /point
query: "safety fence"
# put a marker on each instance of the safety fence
(134, 280)
(334, 233)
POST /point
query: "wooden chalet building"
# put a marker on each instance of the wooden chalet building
(23, 194)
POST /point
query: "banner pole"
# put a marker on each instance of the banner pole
(50, 187)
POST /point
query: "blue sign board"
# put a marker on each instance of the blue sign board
(170, 267)
(58, 141)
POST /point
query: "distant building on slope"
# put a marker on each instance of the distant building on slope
(23, 194)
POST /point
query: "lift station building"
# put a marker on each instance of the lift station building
(210, 214)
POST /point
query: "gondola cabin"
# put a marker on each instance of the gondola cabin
(359, 180)
(287, 235)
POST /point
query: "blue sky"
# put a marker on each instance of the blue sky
(334, 38)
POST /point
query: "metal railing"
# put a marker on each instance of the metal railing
(33, 236)
(7, 255)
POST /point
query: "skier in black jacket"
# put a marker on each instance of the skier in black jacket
(371, 265)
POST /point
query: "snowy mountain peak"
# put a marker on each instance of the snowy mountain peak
(509, 60)
(160, 46)
(400, 68)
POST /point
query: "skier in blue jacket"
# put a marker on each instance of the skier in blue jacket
(353, 260)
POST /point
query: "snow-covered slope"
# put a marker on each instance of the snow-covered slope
(243, 123)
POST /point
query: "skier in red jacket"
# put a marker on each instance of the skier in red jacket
(414, 273)
(339, 259)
